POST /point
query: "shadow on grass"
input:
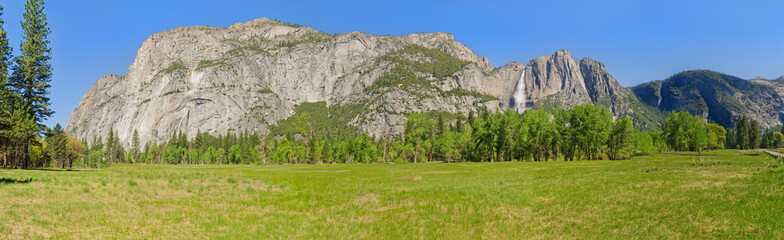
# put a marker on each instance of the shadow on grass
(51, 169)
(692, 153)
(62, 170)
(6, 180)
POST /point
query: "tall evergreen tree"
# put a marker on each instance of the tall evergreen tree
(742, 133)
(109, 147)
(730, 139)
(5, 63)
(6, 98)
(32, 71)
(56, 141)
(135, 146)
(119, 150)
(22, 134)
(439, 125)
(754, 134)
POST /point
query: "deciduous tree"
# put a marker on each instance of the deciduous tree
(620, 142)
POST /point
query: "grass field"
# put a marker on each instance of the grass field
(724, 194)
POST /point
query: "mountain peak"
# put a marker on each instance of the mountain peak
(562, 52)
(260, 22)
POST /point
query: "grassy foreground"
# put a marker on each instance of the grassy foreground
(724, 194)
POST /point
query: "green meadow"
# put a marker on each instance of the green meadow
(717, 195)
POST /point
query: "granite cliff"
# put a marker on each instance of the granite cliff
(252, 76)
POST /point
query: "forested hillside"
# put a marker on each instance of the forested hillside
(718, 97)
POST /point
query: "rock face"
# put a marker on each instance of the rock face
(720, 98)
(556, 74)
(560, 81)
(251, 76)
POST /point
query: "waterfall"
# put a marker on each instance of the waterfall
(519, 94)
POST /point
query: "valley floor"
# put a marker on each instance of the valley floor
(720, 194)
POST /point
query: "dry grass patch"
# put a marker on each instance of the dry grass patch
(705, 184)
(412, 178)
(366, 198)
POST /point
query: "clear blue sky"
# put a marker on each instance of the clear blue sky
(639, 41)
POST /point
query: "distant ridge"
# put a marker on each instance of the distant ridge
(718, 97)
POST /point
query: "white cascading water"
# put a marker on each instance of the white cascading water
(519, 94)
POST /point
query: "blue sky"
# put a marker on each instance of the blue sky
(639, 41)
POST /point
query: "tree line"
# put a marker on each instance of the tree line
(585, 132)
(747, 134)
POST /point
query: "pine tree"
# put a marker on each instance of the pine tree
(754, 134)
(730, 139)
(85, 153)
(22, 134)
(439, 125)
(109, 147)
(56, 140)
(135, 146)
(119, 150)
(6, 97)
(32, 71)
(5, 63)
(741, 133)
